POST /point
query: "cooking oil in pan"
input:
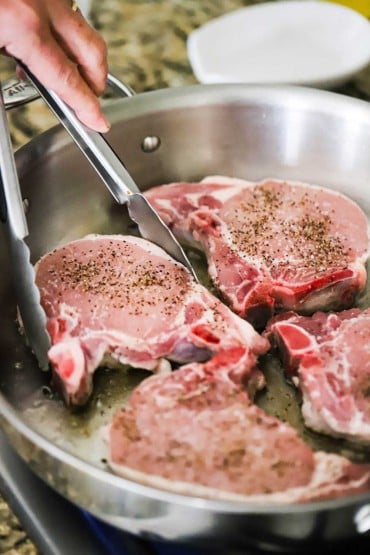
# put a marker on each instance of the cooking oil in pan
(81, 431)
(283, 400)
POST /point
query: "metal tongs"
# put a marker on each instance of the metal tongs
(118, 181)
(12, 213)
(114, 174)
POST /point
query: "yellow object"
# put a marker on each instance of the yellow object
(362, 6)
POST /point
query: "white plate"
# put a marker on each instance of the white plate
(299, 42)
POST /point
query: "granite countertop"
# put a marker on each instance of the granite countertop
(146, 43)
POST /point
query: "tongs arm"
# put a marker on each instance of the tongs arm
(113, 173)
(92, 144)
(13, 209)
(28, 296)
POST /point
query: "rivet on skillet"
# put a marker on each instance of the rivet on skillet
(151, 144)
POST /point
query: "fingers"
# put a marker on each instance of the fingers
(35, 44)
(47, 61)
(83, 45)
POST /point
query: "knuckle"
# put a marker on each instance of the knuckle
(100, 49)
(103, 48)
(98, 64)
(101, 45)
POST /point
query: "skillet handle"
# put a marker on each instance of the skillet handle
(119, 87)
(17, 92)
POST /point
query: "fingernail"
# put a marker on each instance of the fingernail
(103, 125)
(97, 122)
(107, 124)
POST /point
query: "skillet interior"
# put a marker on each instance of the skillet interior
(239, 131)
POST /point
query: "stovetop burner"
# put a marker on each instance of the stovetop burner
(58, 527)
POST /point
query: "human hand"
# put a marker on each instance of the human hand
(61, 49)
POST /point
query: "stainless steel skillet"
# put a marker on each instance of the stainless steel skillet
(250, 132)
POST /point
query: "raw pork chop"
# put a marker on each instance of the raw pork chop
(197, 432)
(331, 354)
(271, 245)
(122, 300)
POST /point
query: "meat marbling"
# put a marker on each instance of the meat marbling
(122, 300)
(197, 432)
(330, 353)
(271, 245)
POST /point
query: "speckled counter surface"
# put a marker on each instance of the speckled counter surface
(147, 49)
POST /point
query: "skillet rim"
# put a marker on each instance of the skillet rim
(140, 105)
